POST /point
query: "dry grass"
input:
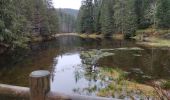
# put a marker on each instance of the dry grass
(130, 86)
(146, 89)
(153, 32)
(156, 42)
(94, 36)
(118, 36)
(152, 37)
(122, 84)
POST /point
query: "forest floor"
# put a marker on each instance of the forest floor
(153, 37)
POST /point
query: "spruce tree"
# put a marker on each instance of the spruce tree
(97, 13)
(163, 13)
(19, 20)
(125, 17)
(106, 18)
(86, 18)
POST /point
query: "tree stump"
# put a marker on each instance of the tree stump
(39, 84)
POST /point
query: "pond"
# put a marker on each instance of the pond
(94, 67)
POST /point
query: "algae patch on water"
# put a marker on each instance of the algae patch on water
(91, 57)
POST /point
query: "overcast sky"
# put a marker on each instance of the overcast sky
(74, 4)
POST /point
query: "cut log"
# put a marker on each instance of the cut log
(39, 84)
(14, 91)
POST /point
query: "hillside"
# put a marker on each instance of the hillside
(69, 11)
(67, 20)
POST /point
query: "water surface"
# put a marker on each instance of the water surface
(62, 57)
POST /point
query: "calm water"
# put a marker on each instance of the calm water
(68, 75)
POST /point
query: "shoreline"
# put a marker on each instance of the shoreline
(82, 35)
(92, 36)
(153, 38)
(155, 42)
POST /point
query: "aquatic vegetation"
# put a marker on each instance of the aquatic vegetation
(98, 54)
(122, 88)
(91, 57)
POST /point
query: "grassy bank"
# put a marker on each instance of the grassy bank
(155, 42)
(153, 37)
(32, 39)
(92, 36)
(124, 87)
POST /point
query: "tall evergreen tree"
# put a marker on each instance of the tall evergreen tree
(106, 18)
(19, 20)
(125, 17)
(163, 13)
(67, 22)
(141, 7)
(80, 20)
(86, 18)
(97, 13)
(129, 23)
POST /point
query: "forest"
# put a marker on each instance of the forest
(122, 16)
(102, 50)
(21, 21)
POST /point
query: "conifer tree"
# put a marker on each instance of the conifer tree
(86, 18)
(163, 13)
(106, 18)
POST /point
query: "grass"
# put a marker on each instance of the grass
(120, 84)
(94, 35)
(153, 37)
(151, 31)
(166, 85)
(156, 42)
(118, 36)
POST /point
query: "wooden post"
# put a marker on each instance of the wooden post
(39, 84)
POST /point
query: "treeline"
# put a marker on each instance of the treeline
(122, 16)
(67, 20)
(20, 19)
